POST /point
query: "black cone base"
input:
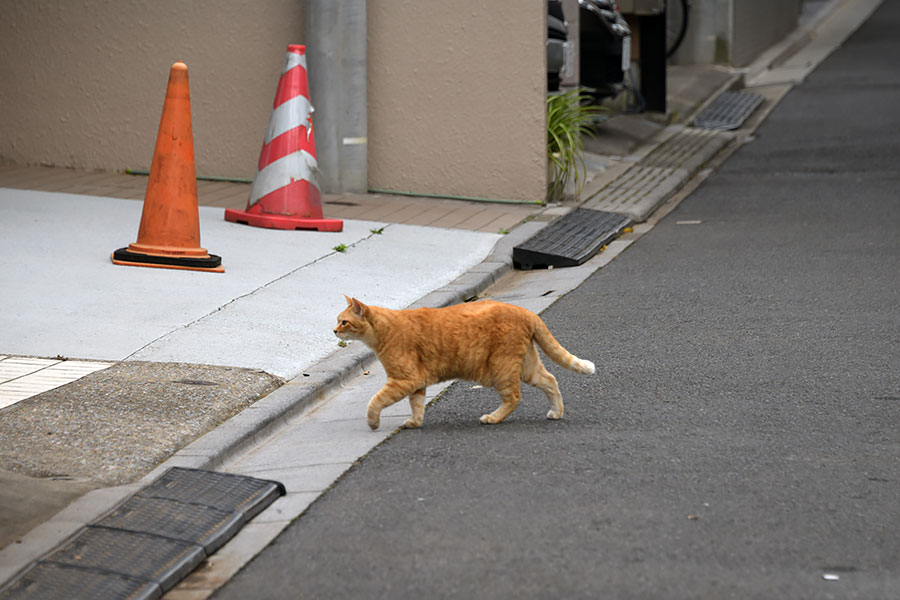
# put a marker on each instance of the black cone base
(123, 256)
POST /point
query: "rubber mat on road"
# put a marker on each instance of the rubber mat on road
(571, 240)
(728, 111)
(148, 544)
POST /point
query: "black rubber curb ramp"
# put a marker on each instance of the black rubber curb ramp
(570, 240)
(148, 544)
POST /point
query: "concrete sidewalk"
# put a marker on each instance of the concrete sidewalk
(265, 312)
(204, 357)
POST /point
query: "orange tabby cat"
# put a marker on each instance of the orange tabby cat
(488, 342)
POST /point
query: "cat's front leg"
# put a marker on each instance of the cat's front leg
(417, 404)
(392, 391)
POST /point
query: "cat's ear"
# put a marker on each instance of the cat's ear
(359, 309)
(349, 300)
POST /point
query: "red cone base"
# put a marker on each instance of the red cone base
(282, 222)
(255, 217)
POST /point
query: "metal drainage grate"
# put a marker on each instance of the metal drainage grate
(149, 543)
(728, 111)
(570, 240)
(139, 556)
(198, 524)
(224, 491)
(47, 580)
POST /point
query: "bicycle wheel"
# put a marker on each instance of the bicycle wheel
(676, 24)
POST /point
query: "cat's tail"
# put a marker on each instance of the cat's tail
(556, 352)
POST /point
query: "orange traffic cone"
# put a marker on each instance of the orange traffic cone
(169, 234)
(284, 193)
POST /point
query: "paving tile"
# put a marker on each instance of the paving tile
(26, 389)
(212, 190)
(459, 216)
(15, 367)
(8, 399)
(342, 200)
(410, 212)
(22, 377)
(23, 176)
(235, 196)
(8, 373)
(485, 217)
(64, 370)
(132, 194)
(383, 209)
(336, 212)
(502, 221)
(386, 208)
(102, 188)
(427, 217)
(63, 184)
(358, 210)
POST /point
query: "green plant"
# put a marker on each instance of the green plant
(378, 231)
(569, 118)
(340, 248)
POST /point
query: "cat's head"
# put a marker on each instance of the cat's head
(353, 322)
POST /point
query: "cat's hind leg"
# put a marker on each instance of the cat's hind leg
(393, 391)
(417, 404)
(535, 373)
(510, 394)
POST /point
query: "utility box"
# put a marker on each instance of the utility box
(642, 7)
(648, 17)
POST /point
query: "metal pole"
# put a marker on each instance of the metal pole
(653, 61)
(336, 55)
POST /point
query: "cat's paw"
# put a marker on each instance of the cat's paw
(488, 419)
(554, 415)
(411, 424)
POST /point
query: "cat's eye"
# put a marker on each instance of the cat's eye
(344, 323)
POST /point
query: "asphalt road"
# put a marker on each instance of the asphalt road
(742, 436)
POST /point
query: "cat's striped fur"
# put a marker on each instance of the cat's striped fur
(487, 342)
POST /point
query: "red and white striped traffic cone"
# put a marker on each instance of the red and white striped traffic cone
(285, 194)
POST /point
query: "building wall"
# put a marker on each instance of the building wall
(457, 94)
(758, 24)
(83, 83)
(735, 32)
(456, 89)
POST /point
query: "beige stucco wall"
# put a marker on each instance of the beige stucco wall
(82, 84)
(456, 90)
(758, 24)
(456, 97)
(735, 32)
